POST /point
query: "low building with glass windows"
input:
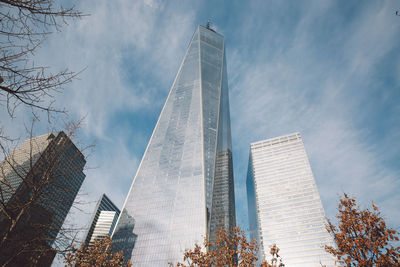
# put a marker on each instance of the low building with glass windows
(103, 221)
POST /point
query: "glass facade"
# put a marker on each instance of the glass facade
(169, 207)
(223, 199)
(32, 162)
(284, 204)
(104, 204)
(43, 175)
(18, 163)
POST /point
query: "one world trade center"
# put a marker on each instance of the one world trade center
(183, 190)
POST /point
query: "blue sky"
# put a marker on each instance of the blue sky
(328, 69)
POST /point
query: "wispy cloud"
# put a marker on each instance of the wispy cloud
(129, 51)
(327, 69)
(327, 93)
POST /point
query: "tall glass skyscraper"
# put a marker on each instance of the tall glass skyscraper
(284, 204)
(183, 188)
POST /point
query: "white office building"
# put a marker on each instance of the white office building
(284, 204)
(103, 220)
(104, 225)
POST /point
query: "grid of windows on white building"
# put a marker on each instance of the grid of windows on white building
(284, 204)
(104, 225)
(104, 204)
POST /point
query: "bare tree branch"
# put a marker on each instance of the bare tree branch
(24, 25)
(36, 181)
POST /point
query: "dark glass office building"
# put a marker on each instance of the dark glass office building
(39, 182)
(183, 189)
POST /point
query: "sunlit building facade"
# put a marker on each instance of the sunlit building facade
(284, 204)
(103, 220)
(183, 188)
(104, 226)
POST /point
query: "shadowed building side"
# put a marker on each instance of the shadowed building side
(223, 201)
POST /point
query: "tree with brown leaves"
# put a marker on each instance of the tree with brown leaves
(99, 254)
(230, 249)
(362, 237)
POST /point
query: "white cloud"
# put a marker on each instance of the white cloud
(300, 89)
(115, 39)
(303, 78)
(373, 36)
